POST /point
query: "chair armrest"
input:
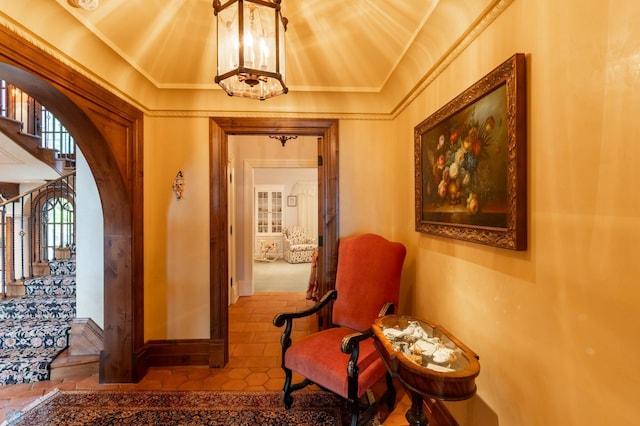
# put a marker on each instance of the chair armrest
(287, 318)
(351, 345)
(352, 341)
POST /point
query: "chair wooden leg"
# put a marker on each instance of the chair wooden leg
(290, 387)
(287, 399)
(354, 414)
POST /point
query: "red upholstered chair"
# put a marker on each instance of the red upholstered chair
(342, 358)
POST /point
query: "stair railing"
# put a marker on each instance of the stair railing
(35, 227)
(37, 121)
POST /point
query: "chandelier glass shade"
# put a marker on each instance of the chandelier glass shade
(251, 48)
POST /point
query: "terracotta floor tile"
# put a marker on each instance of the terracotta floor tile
(273, 349)
(235, 384)
(15, 389)
(155, 373)
(273, 384)
(272, 336)
(216, 381)
(254, 361)
(262, 361)
(276, 373)
(259, 327)
(239, 337)
(194, 385)
(248, 349)
(257, 388)
(235, 362)
(198, 373)
(239, 373)
(256, 379)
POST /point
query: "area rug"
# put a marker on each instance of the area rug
(184, 408)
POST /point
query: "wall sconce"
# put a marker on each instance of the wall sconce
(283, 138)
(178, 185)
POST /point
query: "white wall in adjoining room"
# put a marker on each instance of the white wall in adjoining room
(252, 153)
(89, 245)
(286, 177)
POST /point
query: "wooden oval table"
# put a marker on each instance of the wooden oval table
(438, 366)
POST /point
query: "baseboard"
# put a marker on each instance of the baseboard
(233, 295)
(166, 353)
(245, 288)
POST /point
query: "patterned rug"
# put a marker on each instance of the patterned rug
(98, 408)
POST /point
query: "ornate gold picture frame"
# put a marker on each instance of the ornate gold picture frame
(470, 162)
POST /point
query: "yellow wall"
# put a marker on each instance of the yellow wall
(176, 232)
(555, 326)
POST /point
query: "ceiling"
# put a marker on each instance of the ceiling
(330, 45)
(18, 166)
(341, 56)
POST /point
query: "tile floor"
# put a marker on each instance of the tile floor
(254, 360)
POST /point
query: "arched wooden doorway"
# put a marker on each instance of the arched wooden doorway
(109, 133)
(328, 197)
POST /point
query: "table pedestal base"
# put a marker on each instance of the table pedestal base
(415, 415)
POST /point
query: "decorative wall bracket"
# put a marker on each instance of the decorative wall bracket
(283, 138)
(178, 185)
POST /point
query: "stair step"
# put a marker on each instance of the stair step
(34, 333)
(51, 285)
(66, 365)
(26, 365)
(62, 266)
(24, 307)
(15, 289)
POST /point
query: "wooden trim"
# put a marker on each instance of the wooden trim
(108, 131)
(9, 190)
(220, 128)
(218, 247)
(163, 353)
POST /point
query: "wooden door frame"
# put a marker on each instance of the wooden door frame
(328, 207)
(109, 132)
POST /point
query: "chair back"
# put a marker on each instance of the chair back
(296, 234)
(367, 277)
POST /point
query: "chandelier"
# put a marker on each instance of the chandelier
(251, 52)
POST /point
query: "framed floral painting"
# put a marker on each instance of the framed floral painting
(470, 162)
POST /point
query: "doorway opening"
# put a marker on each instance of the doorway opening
(326, 132)
(274, 188)
(284, 215)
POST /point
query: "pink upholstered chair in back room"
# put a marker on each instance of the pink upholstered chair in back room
(342, 358)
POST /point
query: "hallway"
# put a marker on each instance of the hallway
(254, 360)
